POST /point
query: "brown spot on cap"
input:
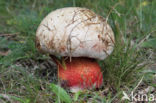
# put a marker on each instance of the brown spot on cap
(38, 46)
(37, 43)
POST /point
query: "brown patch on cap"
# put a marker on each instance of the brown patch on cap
(37, 44)
(104, 45)
(88, 13)
(62, 48)
(50, 44)
(100, 18)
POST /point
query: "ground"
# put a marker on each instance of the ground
(27, 76)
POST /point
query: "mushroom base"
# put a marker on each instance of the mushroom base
(80, 72)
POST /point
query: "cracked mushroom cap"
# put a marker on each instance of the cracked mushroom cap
(75, 32)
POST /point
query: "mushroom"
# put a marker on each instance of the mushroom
(80, 37)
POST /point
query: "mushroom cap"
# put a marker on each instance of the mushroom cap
(75, 32)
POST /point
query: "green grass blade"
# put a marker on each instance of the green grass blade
(61, 93)
(150, 43)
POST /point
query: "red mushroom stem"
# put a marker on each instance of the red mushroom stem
(80, 72)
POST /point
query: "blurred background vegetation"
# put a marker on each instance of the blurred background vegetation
(26, 75)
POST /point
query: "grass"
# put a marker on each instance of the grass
(133, 23)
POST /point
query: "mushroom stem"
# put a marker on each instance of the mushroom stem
(80, 73)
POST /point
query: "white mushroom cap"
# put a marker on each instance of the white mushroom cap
(75, 32)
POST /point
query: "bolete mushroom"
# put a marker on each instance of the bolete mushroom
(79, 36)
